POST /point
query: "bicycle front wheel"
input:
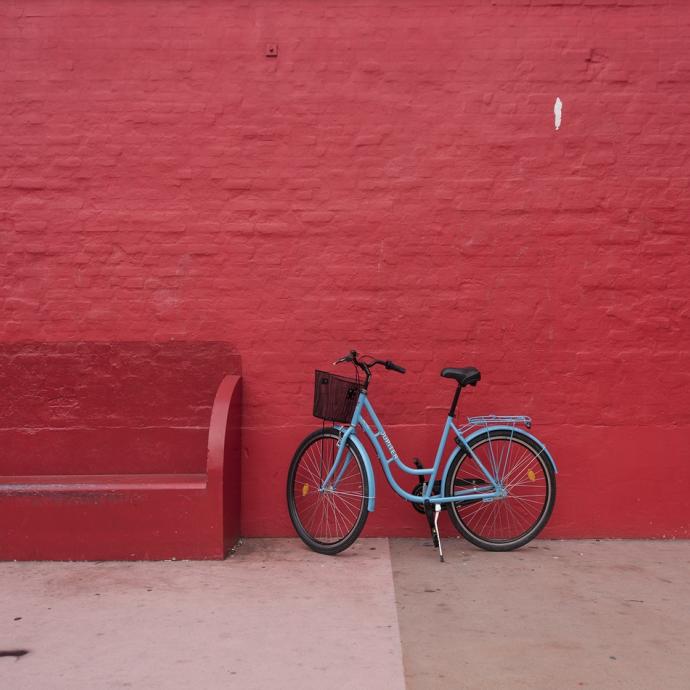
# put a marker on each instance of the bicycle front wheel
(327, 517)
(518, 463)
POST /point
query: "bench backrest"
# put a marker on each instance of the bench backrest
(108, 408)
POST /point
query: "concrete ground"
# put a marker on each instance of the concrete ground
(555, 614)
(384, 614)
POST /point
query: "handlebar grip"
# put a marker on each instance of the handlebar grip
(395, 367)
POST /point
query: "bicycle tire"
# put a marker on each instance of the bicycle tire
(465, 515)
(353, 504)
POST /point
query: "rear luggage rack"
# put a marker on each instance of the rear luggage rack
(496, 420)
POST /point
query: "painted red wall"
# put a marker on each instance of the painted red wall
(393, 182)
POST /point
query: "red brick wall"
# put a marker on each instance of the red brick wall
(393, 182)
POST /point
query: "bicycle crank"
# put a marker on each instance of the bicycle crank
(470, 482)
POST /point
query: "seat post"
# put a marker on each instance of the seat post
(456, 397)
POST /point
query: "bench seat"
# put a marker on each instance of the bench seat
(103, 482)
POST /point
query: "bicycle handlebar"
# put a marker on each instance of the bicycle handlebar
(395, 367)
(366, 366)
(346, 358)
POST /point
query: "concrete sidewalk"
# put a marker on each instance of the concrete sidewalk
(555, 614)
(275, 615)
(610, 614)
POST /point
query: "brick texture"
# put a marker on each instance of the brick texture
(391, 181)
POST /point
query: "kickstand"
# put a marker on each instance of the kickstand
(432, 513)
(437, 512)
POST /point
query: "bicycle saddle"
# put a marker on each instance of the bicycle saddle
(465, 376)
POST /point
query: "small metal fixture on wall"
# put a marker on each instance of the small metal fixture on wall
(272, 50)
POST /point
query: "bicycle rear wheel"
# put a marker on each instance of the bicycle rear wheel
(328, 519)
(519, 464)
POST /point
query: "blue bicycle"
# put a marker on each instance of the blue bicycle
(498, 482)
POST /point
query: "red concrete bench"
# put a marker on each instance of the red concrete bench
(119, 450)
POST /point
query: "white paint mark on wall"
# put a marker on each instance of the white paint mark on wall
(557, 110)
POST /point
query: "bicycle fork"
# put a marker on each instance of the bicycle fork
(432, 511)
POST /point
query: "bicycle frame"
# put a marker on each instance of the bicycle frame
(490, 491)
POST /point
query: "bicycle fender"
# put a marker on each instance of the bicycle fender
(349, 434)
(511, 429)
